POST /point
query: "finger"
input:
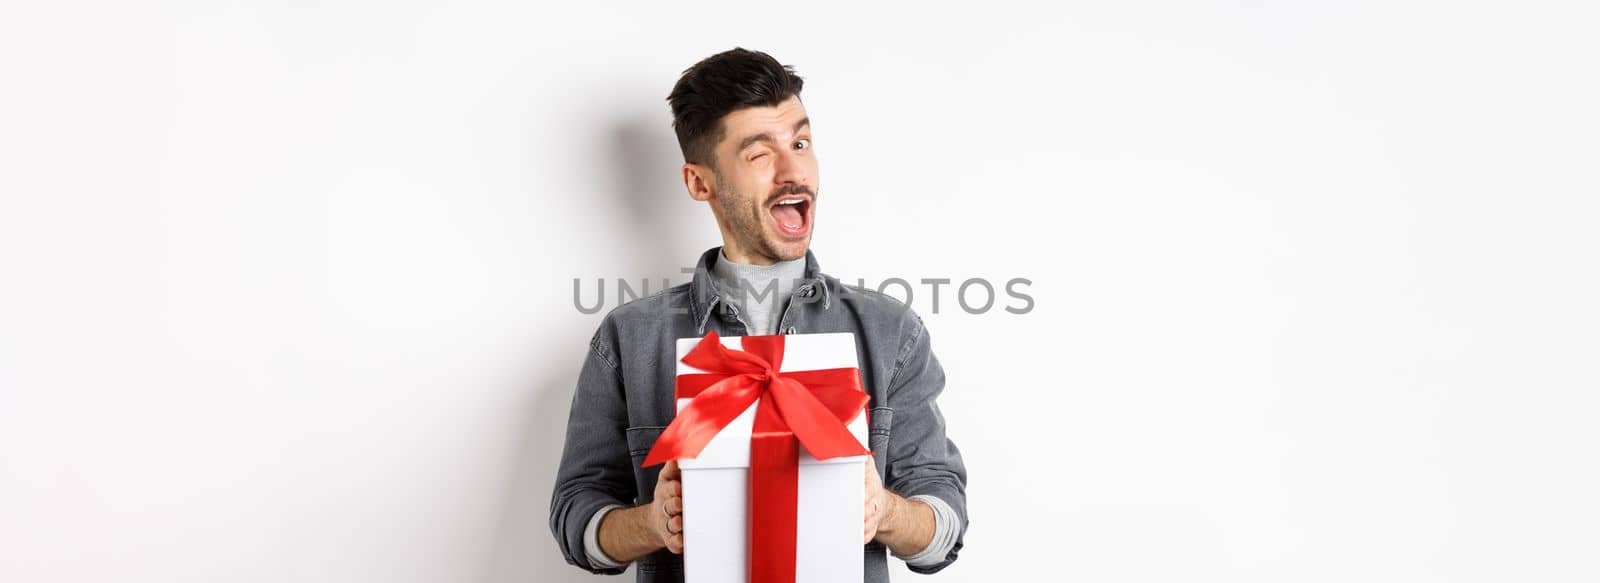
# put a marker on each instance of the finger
(675, 525)
(669, 488)
(869, 525)
(675, 543)
(670, 471)
(674, 506)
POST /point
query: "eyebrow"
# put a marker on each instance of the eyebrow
(764, 137)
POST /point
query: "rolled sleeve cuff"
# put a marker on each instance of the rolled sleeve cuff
(591, 541)
(946, 526)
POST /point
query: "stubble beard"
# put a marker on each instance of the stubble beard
(747, 223)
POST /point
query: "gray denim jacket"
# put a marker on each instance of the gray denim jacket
(624, 399)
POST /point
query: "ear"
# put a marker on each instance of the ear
(697, 179)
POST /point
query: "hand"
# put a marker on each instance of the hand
(666, 511)
(876, 503)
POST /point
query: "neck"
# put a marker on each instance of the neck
(737, 254)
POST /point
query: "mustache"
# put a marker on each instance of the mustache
(789, 189)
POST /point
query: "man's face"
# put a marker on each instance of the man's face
(766, 183)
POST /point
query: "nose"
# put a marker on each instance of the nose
(789, 169)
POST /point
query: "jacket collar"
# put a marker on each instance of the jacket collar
(706, 295)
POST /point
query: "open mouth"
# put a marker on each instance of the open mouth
(791, 215)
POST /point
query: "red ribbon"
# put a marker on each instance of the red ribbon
(802, 407)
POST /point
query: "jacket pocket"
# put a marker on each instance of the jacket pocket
(640, 440)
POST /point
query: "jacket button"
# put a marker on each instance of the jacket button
(791, 330)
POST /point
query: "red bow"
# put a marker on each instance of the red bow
(803, 407)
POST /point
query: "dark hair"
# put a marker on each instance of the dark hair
(719, 85)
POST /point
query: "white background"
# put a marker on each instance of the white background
(287, 287)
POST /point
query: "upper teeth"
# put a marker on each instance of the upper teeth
(795, 201)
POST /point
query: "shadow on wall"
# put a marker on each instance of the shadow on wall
(667, 229)
(524, 550)
(653, 239)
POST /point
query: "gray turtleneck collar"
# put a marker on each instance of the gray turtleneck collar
(760, 291)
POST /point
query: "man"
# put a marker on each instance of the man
(748, 153)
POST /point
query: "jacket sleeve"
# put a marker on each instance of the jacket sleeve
(595, 469)
(922, 459)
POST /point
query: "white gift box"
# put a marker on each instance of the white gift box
(716, 485)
